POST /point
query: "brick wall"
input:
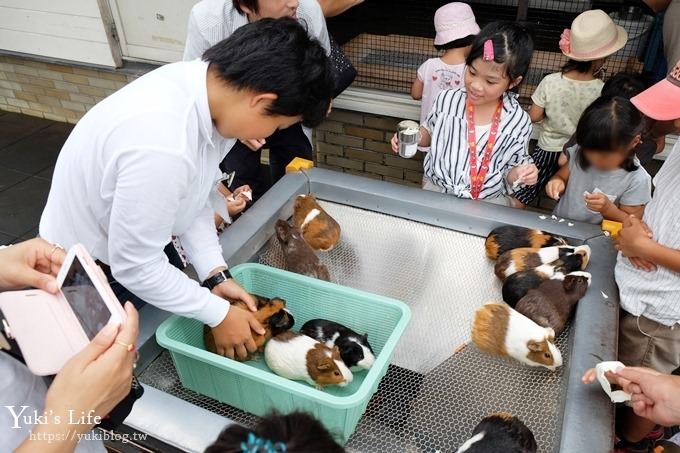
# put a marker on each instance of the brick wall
(358, 143)
(56, 92)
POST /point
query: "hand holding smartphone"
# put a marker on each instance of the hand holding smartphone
(50, 329)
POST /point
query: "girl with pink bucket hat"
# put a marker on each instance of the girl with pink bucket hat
(456, 27)
(561, 98)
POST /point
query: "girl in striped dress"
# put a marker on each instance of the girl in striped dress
(479, 134)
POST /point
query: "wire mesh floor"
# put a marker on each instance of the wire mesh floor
(434, 392)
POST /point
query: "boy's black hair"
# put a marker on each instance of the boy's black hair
(298, 431)
(456, 43)
(583, 67)
(253, 5)
(606, 125)
(277, 56)
(624, 84)
(512, 46)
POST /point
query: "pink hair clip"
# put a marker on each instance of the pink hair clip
(488, 50)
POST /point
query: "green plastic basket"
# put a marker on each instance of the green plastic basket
(252, 387)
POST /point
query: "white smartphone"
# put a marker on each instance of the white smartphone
(50, 329)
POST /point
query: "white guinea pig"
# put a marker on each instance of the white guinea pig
(301, 358)
(499, 330)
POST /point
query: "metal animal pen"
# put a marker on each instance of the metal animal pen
(387, 40)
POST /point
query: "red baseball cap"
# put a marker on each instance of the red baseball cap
(661, 101)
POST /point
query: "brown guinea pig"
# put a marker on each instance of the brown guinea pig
(499, 330)
(298, 254)
(525, 258)
(271, 314)
(509, 237)
(552, 303)
(302, 358)
(500, 433)
(319, 229)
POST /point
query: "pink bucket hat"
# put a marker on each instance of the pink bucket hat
(593, 35)
(661, 101)
(454, 21)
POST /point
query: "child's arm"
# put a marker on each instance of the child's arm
(635, 241)
(558, 183)
(417, 89)
(599, 202)
(536, 113)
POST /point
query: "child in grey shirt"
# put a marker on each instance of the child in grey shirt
(600, 177)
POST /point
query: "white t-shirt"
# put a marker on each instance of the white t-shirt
(437, 76)
(140, 167)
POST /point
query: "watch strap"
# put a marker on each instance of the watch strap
(216, 279)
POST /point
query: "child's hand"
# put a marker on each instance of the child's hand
(597, 202)
(236, 205)
(240, 190)
(254, 144)
(555, 188)
(528, 174)
(590, 376)
(634, 239)
(395, 143)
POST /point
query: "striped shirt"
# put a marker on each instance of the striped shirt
(447, 165)
(211, 21)
(656, 294)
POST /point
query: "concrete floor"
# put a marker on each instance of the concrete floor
(29, 147)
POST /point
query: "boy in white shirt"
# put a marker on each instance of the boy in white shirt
(142, 166)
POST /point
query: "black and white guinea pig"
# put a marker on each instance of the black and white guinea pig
(509, 237)
(298, 357)
(500, 433)
(553, 302)
(518, 285)
(499, 330)
(354, 348)
(525, 258)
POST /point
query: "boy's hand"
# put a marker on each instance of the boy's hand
(555, 188)
(234, 335)
(239, 190)
(254, 143)
(528, 174)
(634, 238)
(236, 206)
(590, 376)
(597, 202)
(395, 143)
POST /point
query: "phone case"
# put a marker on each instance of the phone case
(45, 326)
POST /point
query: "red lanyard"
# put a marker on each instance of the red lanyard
(478, 175)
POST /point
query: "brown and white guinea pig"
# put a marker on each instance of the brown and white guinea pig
(525, 258)
(499, 330)
(298, 254)
(319, 229)
(509, 237)
(272, 314)
(354, 348)
(518, 284)
(301, 358)
(553, 302)
(500, 433)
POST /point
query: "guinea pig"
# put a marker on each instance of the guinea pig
(500, 433)
(354, 348)
(509, 237)
(299, 256)
(525, 258)
(301, 358)
(319, 229)
(518, 284)
(272, 314)
(553, 302)
(499, 330)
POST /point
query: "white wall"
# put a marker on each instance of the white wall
(65, 29)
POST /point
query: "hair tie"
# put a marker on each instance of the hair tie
(256, 444)
(488, 50)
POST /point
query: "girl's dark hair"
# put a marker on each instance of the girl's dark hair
(298, 431)
(277, 56)
(624, 84)
(512, 46)
(253, 5)
(456, 44)
(606, 125)
(583, 67)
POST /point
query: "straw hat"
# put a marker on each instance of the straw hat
(593, 35)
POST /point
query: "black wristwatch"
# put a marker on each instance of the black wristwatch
(216, 279)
